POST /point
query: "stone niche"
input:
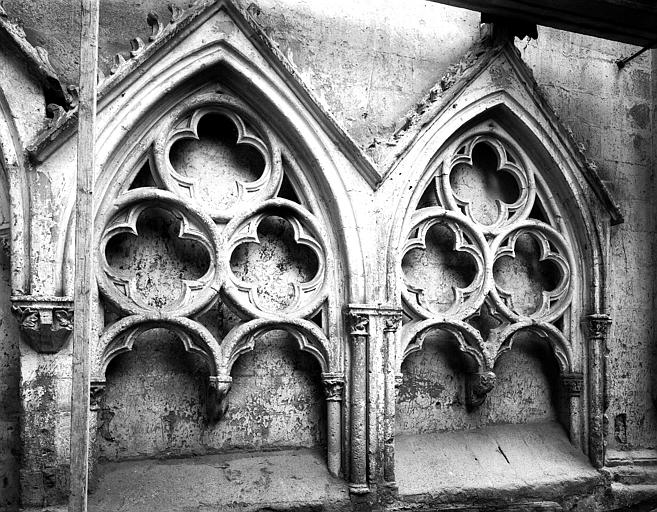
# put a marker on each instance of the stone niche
(488, 275)
(213, 277)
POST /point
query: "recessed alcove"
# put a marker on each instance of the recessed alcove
(155, 400)
(517, 438)
(431, 397)
(156, 446)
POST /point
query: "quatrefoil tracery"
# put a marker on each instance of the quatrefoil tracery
(221, 215)
(252, 294)
(219, 187)
(553, 248)
(466, 155)
(491, 243)
(120, 286)
(467, 240)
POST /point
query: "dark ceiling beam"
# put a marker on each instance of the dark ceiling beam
(627, 21)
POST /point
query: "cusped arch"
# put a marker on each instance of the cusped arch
(308, 336)
(469, 340)
(558, 343)
(547, 148)
(120, 336)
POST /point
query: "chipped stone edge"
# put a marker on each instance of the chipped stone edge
(65, 125)
(37, 58)
(457, 77)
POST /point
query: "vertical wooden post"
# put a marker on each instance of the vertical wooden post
(84, 255)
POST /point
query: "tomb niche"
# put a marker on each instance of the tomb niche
(489, 351)
(216, 295)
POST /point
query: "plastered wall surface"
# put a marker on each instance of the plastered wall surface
(369, 63)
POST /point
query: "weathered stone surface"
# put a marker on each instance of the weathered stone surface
(432, 396)
(231, 260)
(154, 403)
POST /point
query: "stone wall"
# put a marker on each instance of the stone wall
(371, 62)
(610, 113)
(154, 404)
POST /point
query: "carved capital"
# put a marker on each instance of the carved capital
(359, 324)
(333, 386)
(478, 385)
(217, 399)
(598, 325)
(46, 322)
(398, 381)
(96, 392)
(392, 323)
(573, 383)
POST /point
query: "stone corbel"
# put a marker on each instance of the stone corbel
(477, 387)
(217, 399)
(46, 322)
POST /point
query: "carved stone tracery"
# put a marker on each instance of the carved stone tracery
(216, 168)
(490, 237)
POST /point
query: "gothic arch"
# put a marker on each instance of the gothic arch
(576, 214)
(14, 195)
(142, 107)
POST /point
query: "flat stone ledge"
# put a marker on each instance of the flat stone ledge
(503, 462)
(285, 480)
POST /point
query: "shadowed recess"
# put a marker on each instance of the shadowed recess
(157, 258)
(482, 185)
(432, 397)
(525, 277)
(143, 178)
(155, 401)
(216, 162)
(276, 265)
(438, 269)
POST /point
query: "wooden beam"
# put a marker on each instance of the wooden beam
(627, 21)
(84, 251)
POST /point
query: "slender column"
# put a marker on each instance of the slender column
(334, 389)
(84, 255)
(389, 331)
(573, 383)
(598, 326)
(359, 333)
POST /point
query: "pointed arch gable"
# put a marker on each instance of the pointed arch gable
(510, 105)
(14, 193)
(138, 109)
